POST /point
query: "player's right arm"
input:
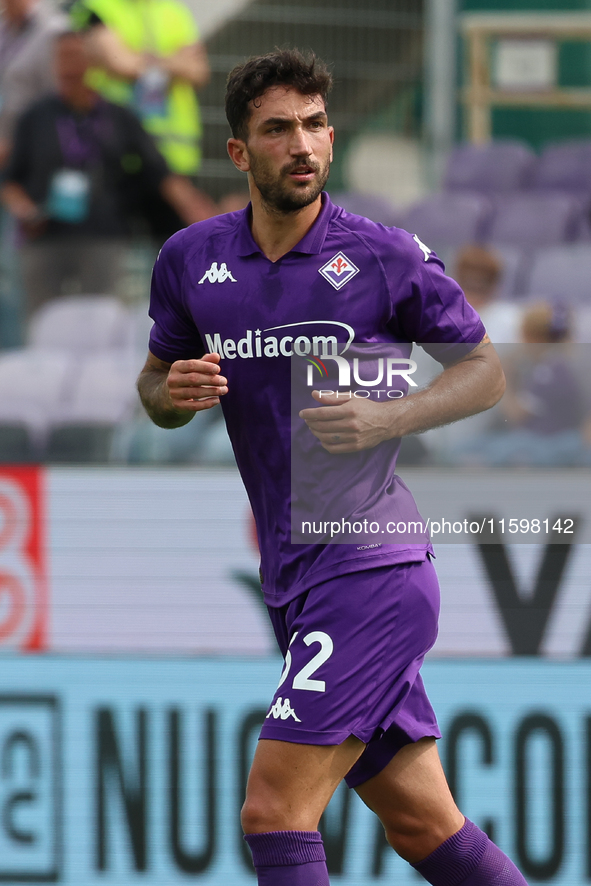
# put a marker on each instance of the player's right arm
(172, 393)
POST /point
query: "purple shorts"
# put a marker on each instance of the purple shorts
(353, 648)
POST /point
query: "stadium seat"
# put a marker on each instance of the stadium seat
(33, 384)
(498, 167)
(562, 273)
(102, 396)
(79, 444)
(582, 326)
(103, 390)
(82, 324)
(17, 445)
(564, 166)
(139, 333)
(371, 206)
(536, 219)
(514, 263)
(449, 220)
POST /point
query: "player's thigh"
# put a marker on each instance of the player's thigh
(290, 784)
(412, 799)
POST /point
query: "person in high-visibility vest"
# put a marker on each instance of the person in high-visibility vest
(147, 55)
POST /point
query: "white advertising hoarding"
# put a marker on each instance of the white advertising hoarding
(165, 561)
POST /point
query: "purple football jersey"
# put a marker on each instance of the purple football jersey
(348, 280)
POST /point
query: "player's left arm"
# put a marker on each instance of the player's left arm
(472, 384)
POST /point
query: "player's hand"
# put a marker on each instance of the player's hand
(194, 385)
(349, 425)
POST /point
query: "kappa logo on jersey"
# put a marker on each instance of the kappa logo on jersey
(218, 275)
(282, 709)
(425, 249)
(339, 270)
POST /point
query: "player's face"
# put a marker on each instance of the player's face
(289, 148)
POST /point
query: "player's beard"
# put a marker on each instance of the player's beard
(279, 192)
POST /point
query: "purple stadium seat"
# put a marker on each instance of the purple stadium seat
(376, 208)
(515, 263)
(536, 219)
(582, 325)
(103, 390)
(102, 396)
(449, 219)
(564, 166)
(33, 385)
(84, 323)
(562, 273)
(498, 167)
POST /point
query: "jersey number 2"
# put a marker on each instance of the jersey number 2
(302, 678)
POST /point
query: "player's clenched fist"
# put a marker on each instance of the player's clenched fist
(196, 384)
(172, 393)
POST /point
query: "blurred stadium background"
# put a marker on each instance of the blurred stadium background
(138, 658)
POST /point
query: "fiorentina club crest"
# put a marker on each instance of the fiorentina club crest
(338, 270)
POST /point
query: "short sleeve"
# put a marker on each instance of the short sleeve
(174, 335)
(427, 306)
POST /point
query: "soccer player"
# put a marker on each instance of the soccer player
(232, 298)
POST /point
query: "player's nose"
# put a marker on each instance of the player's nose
(300, 143)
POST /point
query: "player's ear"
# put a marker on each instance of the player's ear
(238, 154)
(331, 136)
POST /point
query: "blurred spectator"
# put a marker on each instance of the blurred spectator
(478, 271)
(147, 56)
(27, 32)
(543, 410)
(71, 179)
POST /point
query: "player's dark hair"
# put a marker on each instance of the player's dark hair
(283, 67)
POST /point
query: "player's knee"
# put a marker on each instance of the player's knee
(260, 815)
(413, 839)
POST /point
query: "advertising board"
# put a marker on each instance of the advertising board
(123, 771)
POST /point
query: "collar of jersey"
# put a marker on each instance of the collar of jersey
(310, 244)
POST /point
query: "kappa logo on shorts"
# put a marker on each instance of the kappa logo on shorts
(282, 709)
(218, 275)
(339, 270)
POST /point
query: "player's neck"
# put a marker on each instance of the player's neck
(276, 233)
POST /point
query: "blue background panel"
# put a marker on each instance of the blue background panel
(118, 771)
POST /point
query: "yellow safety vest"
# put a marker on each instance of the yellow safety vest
(161, 27)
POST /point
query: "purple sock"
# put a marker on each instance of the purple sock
(471, 859)
(289, 858)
